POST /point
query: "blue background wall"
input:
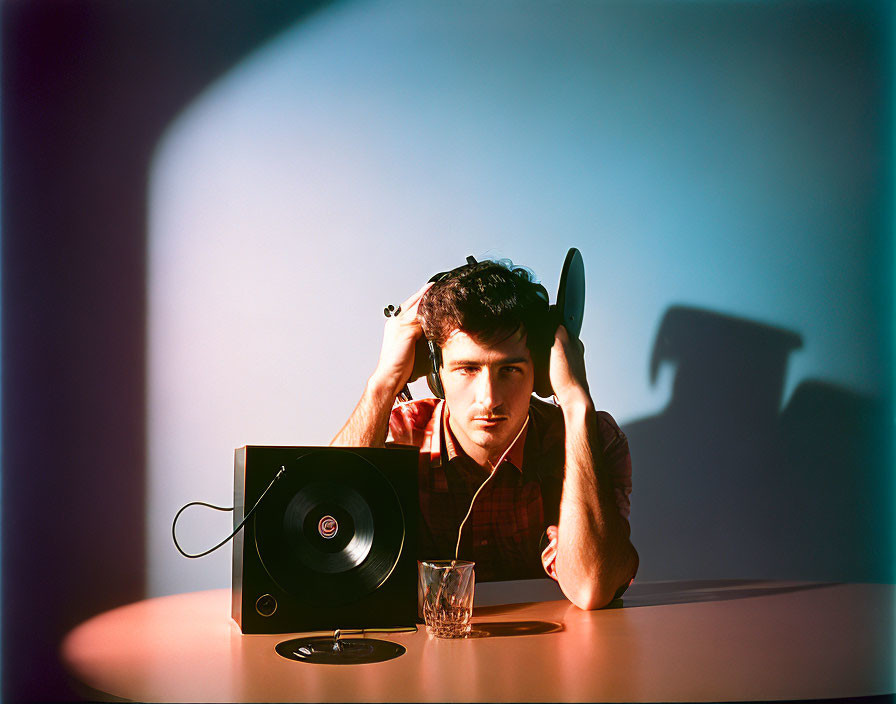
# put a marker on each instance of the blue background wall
(722, 168)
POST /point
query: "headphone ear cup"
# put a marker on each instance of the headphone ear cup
(432, 378)
(543, 382)
(542, 364)
(435, 384)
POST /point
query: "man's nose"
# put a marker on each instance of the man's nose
(486, 393)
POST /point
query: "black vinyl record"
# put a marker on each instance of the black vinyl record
(325, 650)
(571, 293)
(332, 529)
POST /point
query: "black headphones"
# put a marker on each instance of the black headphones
(435, 353)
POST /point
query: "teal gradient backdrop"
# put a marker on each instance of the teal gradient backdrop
(705, 157)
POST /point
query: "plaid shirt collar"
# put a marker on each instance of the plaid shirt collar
(439, 433)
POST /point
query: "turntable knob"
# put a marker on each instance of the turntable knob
(266, 605)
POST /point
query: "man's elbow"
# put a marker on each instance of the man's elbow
(591, 596)
(602, 588)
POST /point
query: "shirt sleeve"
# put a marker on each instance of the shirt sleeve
(400, 430)
(408, 422)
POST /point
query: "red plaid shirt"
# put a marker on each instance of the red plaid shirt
(506, 533)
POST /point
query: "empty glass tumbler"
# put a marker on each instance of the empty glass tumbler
(446, 588)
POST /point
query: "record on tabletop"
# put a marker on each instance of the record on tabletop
(325, 650)
(331, 530)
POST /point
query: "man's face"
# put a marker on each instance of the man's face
(487, 390)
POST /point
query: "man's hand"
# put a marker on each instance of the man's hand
(567, 370)
(396, 365)
(368, 424)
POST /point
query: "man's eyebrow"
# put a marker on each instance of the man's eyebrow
(479, 363)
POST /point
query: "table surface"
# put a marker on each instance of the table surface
(669, 641)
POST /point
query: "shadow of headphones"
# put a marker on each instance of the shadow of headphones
(567, 311)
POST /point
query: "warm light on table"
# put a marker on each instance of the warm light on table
(671, 641)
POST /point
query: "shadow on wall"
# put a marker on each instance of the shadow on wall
(727, 485)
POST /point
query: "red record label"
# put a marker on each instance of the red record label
(327, 527)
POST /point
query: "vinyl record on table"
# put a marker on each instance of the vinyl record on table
(331, 530)
(324, 650)
(571, 293)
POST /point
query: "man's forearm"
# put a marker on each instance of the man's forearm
(594, 554)
(368, 424)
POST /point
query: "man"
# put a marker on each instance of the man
(501, 472)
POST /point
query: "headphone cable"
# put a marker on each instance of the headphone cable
(491, 474)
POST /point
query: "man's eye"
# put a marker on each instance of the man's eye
(467, 370)
(513, 370)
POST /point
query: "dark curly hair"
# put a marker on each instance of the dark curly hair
(490, 301)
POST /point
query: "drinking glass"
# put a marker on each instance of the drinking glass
(446, 588)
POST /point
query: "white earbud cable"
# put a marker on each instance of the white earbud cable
(491, 474)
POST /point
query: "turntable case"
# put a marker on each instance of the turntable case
(331, 545)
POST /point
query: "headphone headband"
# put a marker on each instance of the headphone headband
(520, 271)
(435, 352)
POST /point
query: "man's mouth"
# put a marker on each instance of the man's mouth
(489, 421)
